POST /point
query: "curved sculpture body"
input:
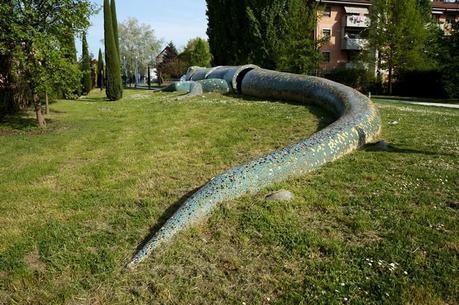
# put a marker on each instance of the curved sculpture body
(194, 88)
(357, 124)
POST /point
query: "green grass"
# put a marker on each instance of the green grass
(76, 200)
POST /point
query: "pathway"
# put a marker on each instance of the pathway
(452, 106)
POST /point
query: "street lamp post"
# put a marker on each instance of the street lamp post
(125, 71)
(136, 71)
(149, 73)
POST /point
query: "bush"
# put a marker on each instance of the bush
(359, 79)
(424, 83)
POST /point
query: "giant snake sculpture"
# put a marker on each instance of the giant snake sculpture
(357, 123)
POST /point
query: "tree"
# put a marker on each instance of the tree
(196, 53)
(115, 25)
(299, 51)
(100, 71)
(138, 46)
(68, 44)
(449, 61)
(227, 30)
(398, 32)
(171, 51)
(113, 84)
(275, 34)
(85, 67)
(169, 64)
(35, 55)
(149, 78)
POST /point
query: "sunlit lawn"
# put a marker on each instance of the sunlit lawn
(375, 227)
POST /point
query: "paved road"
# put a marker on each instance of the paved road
(453, 106)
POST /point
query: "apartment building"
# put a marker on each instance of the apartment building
(445, 13)
(342, 24)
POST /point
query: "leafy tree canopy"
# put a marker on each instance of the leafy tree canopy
(399, 33)
(35, 35)
(138, 45)
(197, 53)
(86, 81)
(276, 34)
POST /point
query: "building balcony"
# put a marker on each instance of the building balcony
(354, 44)
(357, 21)
(351, 65)
(356, 65)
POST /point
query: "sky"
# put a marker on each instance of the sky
(172, 20)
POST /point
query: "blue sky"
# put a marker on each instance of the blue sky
(172, 20)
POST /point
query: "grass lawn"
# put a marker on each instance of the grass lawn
(375, 227)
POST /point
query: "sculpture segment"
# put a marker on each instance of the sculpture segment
(357, 124)
(195, 88)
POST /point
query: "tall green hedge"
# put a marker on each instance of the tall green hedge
(112, 60)
(115, 25)
(86, 82)
(100, 71)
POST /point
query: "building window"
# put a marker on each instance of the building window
(326, 56)
(327, 10)
(326, 34)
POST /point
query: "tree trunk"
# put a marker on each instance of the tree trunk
(390, 79)
(46, 103)
(37, 105)
(149, 78)
(391, 69)
(102, 76)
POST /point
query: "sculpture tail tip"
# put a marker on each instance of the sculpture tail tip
(132, 265)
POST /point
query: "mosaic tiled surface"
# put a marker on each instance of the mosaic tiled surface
(357, 123)
(194, 88)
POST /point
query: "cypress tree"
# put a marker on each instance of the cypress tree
(100, 71)
(115, 25)
(224, 22)
(85, 67)
(68, 43)
(112, 60)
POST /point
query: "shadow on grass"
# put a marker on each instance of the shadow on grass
(56, 111)
(394, 149)
(145, 88)
(21, 122)
(18, 122)
(93, 99)
(164, 217)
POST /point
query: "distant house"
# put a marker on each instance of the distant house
(168, 65)
(446, 13)
(163, 55)
(342, 23)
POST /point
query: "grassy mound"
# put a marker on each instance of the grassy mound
(78, 198)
